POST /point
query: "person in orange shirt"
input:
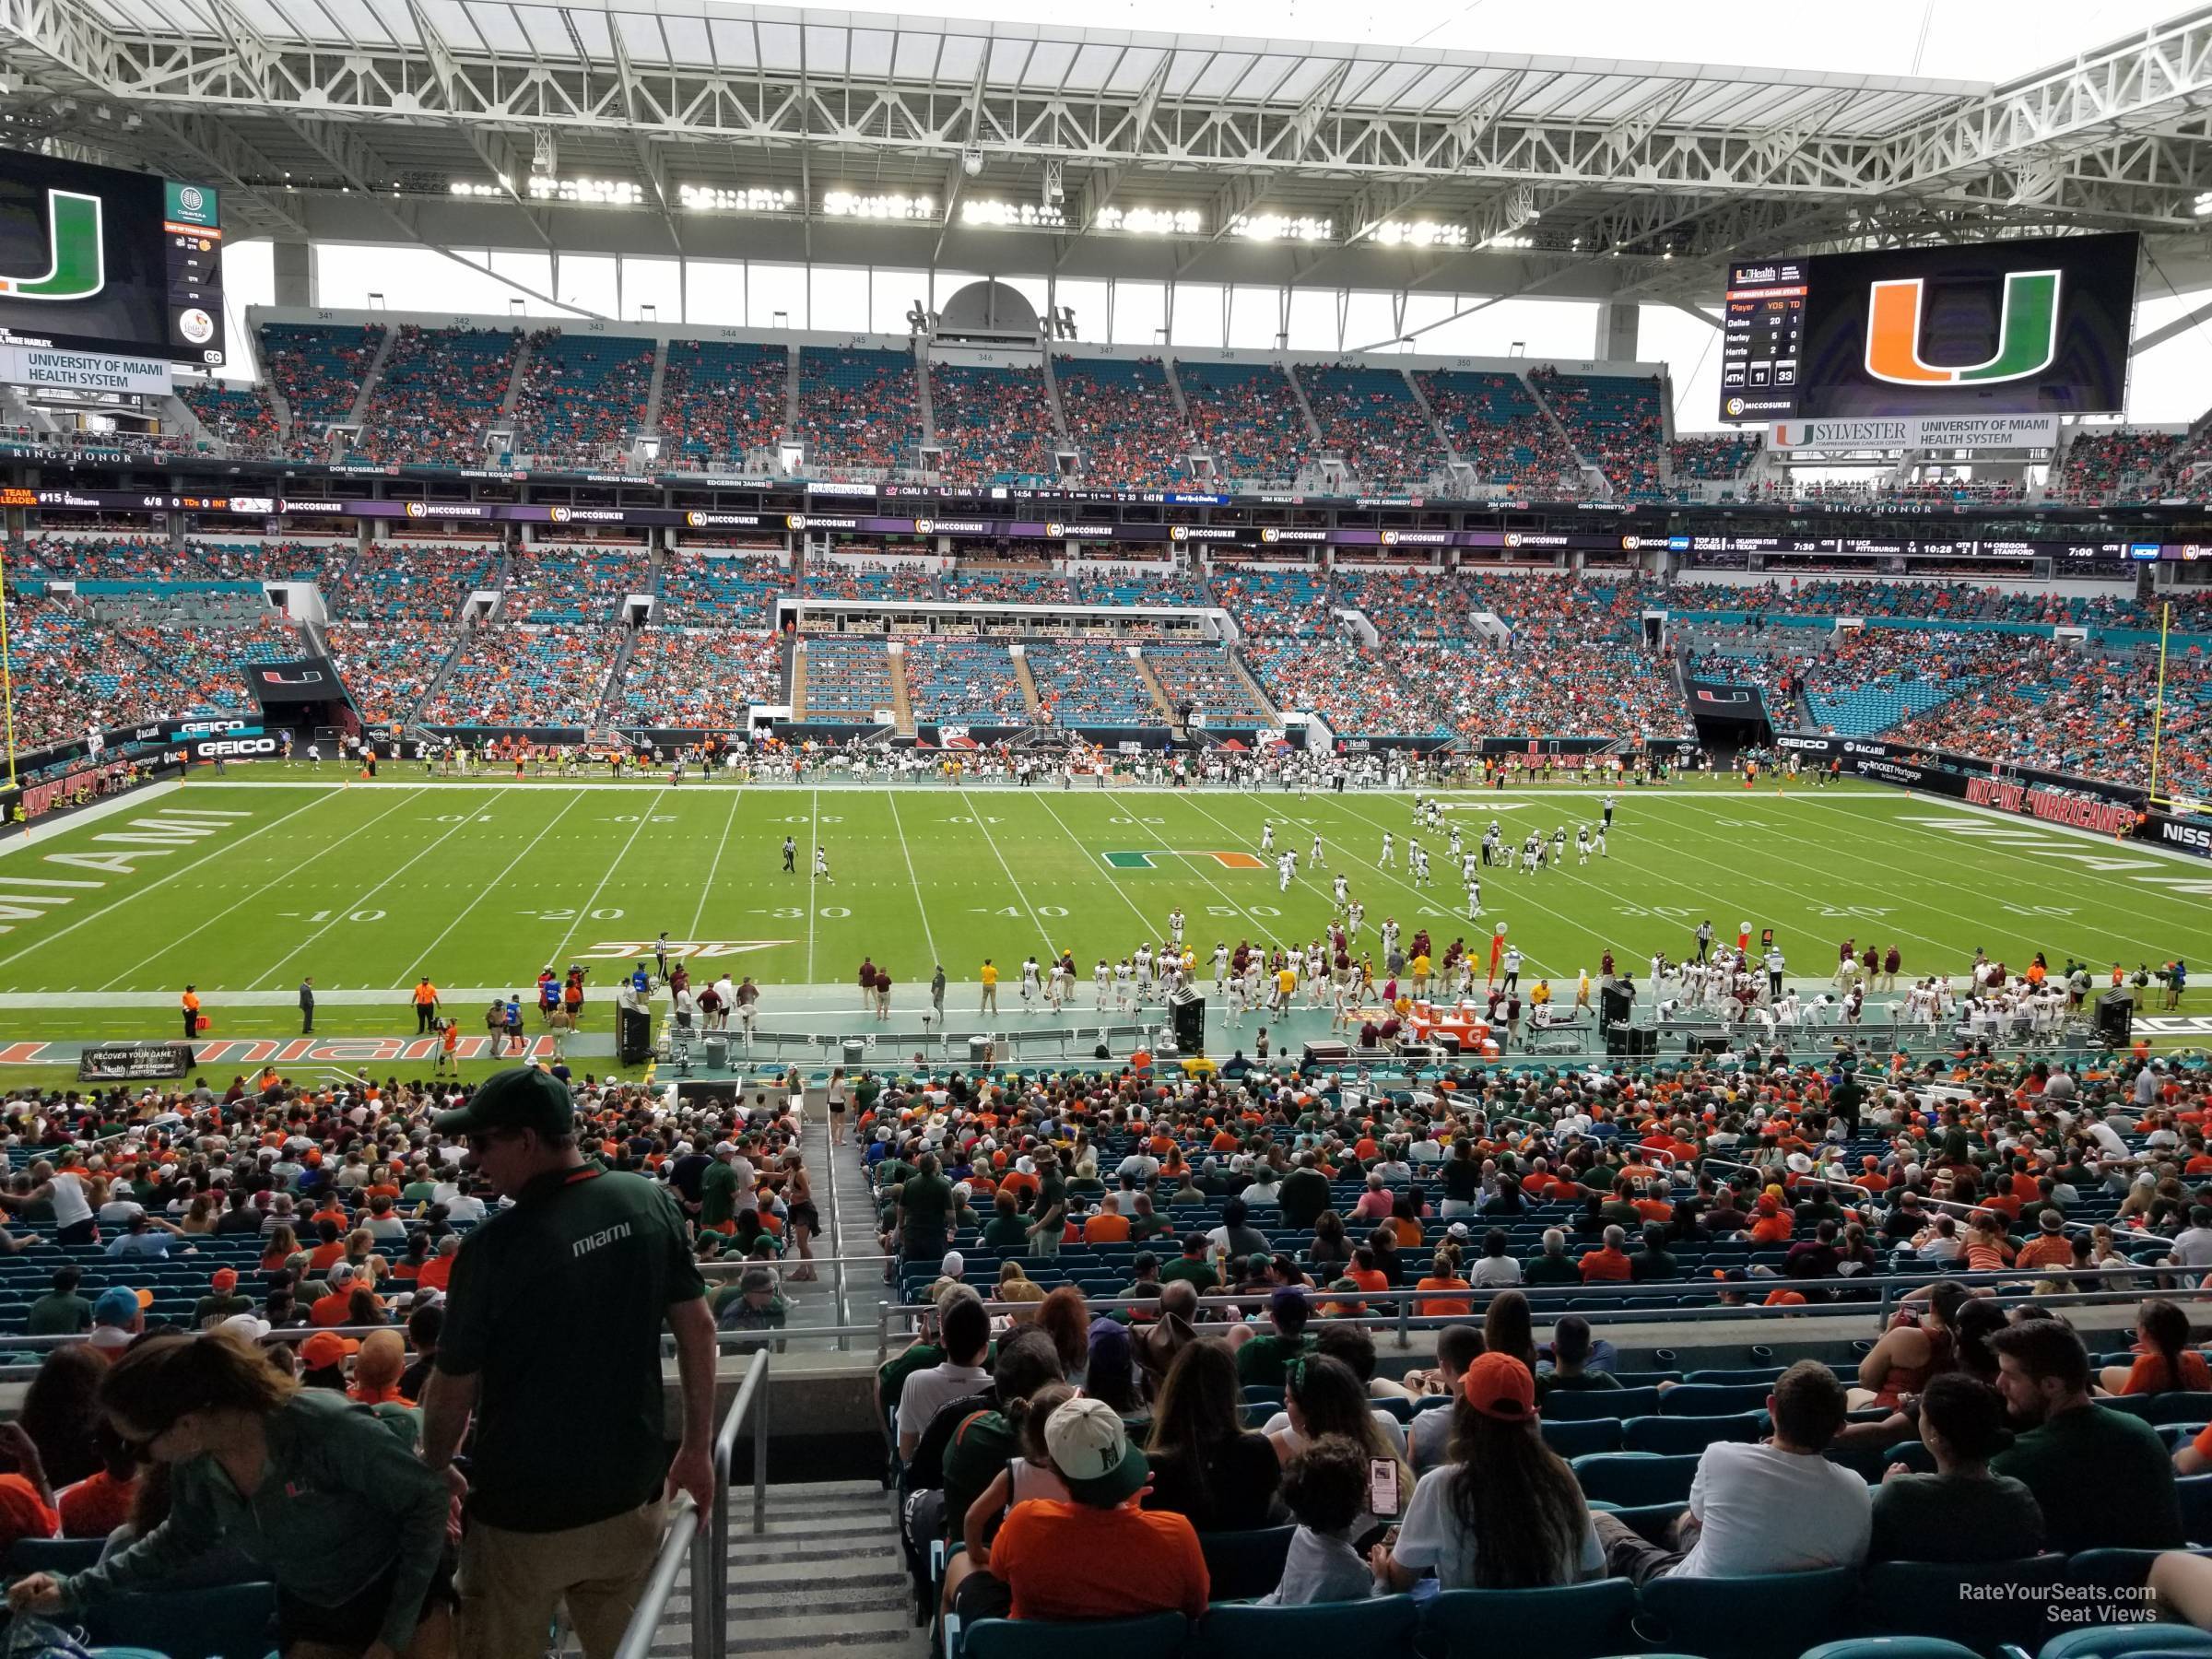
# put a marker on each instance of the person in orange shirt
(2050, 1247)
(191, 1002)
(1106, 1225)
(2164, 1361)
(329, 1251)
(1442, 1275)
(426, 1007)
(440, 1267)
(1771, 1223)
(336, 1307)
(1608, 1263)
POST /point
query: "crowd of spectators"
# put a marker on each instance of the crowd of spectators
(506, 675)
(386, 663)
(1150, 584)
(1271, 601)
(1408, 604)
(437, 395)
(1088, 682)
(405, 580)
(1247, 417)
(2089, 715)
(583, 397)
(993, 426)
(239, 418)
(72, 674)
(857, 408)
(1728, 455)
(318, 370)
(1006, 584)
(106, 559)
(1353, 687)
(1205, 680)
(1613, 421)
(1370, 418)
(1123, 420)
(699, 678)
(964, 681)
(829, 579)
(700, 591)
(572, 587)
(2118, 464)
(721, 402)
(1494, 422)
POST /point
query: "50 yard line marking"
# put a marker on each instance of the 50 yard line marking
(891, 798)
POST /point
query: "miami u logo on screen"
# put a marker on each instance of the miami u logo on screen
(2026, 334)
(75, 253)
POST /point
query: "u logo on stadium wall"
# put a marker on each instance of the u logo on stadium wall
(76, 266)
(2027, 333)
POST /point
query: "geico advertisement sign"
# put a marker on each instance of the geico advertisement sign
(207, 728)
(234, 748)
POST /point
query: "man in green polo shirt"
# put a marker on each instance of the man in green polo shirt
(1263, 1359)
(2102, 1477)
(1553, 1265)
(551, 1342)
(1192, 1267)
(61, 1311)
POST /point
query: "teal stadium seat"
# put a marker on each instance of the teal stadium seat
(1572, 1439)
(1580, 1405)
(1889, 1647)
(1934, 1598)
(1768, 1617)
(1715, 1399)
(2196, 1493)
(52, 1554)
(1635, 1479)
(2118, 1641)
(1570, 1621)
(1154, 1636)
(2113, 1569)
(1673, 1436)
(1380, 1628)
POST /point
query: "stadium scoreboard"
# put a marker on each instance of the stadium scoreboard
(94, 260)
(2038, 326)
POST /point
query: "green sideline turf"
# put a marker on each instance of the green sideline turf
(481, 886)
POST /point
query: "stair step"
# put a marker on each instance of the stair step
(828, 1626)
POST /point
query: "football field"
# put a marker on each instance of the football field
(244, 885)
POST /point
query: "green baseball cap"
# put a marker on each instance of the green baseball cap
(521, 1097)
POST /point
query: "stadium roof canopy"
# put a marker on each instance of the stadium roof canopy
(719, 131)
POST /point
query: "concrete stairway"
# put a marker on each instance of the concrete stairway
(359, 412)
(1252, 683)
(923, 407)
(827, 1575)
(791, 396)
(902, 700)
(653, 396)
(1159, 695)
(515, 380)
(798, 680)
(1028, 682)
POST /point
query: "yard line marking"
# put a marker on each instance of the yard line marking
(467, 819)
(728, 824)
(992, 841)
(814, 866)
(484, 892)
(224, 851)
(644, 817)
(892, 795)
(223, 913)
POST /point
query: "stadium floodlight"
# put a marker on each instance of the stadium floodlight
(846, 204)
(725, 198)
(1277, 226)
(1010, 216)
(1505, 240)
(1417, 233)
(470, 187)
(1150, 221)
(589, 193)
(2203, 204)
(972, 162)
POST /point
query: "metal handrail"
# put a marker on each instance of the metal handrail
(706, 1542)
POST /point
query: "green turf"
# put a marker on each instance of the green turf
(481, 885)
